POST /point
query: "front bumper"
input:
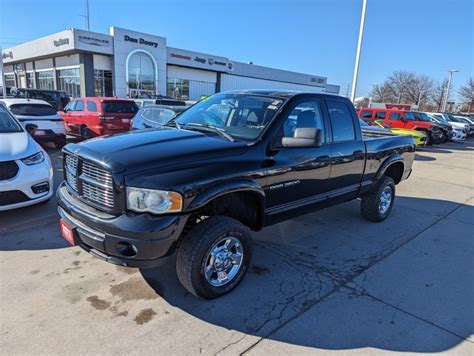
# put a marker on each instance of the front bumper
(131, 240)
(17, 192)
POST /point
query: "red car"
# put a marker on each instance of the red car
(96, 116)
(403, 120)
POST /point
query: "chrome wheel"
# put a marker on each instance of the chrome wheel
(223, 261)
(385, 200)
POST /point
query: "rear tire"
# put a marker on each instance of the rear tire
(378, 202)
(204, 266)
(86, 134)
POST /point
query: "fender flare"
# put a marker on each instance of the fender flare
(224, 188)
(387, 163)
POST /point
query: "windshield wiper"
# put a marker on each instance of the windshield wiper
(212, 128)
(173, 122)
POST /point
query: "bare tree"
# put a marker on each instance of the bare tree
(437, 97)
(466, 92)
(398, 84)
(419, 89)
(382, 93)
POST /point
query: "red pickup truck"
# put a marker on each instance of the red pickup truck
(97, 116)
(403, 120)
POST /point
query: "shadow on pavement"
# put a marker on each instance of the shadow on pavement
(337, 288)
(419, 157)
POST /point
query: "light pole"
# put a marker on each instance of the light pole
(445, 102)
(359, 45)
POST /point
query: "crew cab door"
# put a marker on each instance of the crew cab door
(347, 151)
(298, 176)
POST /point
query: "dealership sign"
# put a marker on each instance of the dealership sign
(140, 40)
(93, 40)
(8, 54)
(200, 60)
(61, 42)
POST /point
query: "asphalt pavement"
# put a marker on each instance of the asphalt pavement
(324, 282)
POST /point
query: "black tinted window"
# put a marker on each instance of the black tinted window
(127, 107)
(91, 106)
(381, 115)
(366, 114)
(305, 114)
(79, 105)
(32, 109)
(341, 121)
(394, 116)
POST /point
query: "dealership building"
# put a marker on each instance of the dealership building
(131, 64)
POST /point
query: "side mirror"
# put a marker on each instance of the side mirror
(31, 128)
(303, 137)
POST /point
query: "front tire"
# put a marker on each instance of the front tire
(86, 134)
(378, 202)
(214, 258)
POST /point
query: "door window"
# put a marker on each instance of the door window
(341, 121)
(79, 105)
(306, 114)
(395, 116)
(366, 114)
(381, 115)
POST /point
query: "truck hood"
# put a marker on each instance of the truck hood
(17, 145)
(147, 149)
(458, 125)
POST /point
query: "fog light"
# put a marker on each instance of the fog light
(126, 249)
(40, 188)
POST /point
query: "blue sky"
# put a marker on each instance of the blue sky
(312, 36)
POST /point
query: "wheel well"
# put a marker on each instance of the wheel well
(395, 171)
(246, 207)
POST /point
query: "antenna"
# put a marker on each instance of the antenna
(86, 16)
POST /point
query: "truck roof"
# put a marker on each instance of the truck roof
(278, 93)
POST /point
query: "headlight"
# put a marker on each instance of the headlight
(34, 159)
(153, 201)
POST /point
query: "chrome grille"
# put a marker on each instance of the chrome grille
(90, 182)
(71, 171)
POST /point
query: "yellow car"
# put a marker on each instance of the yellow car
(418, 136)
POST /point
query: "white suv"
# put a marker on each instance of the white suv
(26, 174)
(40, 113)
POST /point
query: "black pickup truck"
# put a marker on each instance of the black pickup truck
(234, 162)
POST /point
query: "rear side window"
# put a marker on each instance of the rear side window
(395, 116)
(79, 105)
(91, 106)
(32, 110)
(125, 107)
(381, 115)
(341, 121)
(366, 114)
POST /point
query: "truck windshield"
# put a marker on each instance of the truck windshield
(242, 116)
(7, 123)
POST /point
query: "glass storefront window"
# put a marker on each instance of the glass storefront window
(177, 88)
(103, 82)
(30, 80)
(141, 78)
(46, 80)
(69, 81)
(9, 80)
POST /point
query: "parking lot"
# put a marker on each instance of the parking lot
(327, 281)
